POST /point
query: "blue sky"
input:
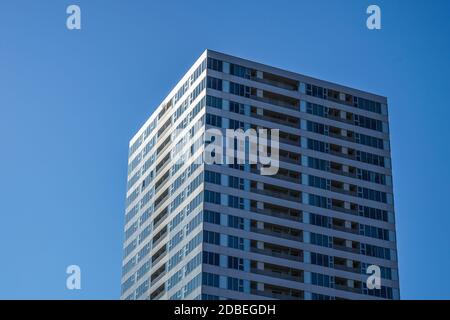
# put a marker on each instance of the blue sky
(71, 100)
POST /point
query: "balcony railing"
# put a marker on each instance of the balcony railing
(275, 120)
(339, 136)
(341, 209)
(345, 268)
(344, 248)
(342, 191)
(276, 83)
(158, 277)
(162, 236)
(345, 288)
(276, 102)
(277, 214)
(289, 160)
(162, 255)
(344, 229)
(277, 254)
(277, 275)
(276, 234)
(276, 194)
(270, 294)
(342, 173)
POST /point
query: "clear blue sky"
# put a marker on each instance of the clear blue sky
(71, 100)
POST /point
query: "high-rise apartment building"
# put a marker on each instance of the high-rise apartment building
(209, 231)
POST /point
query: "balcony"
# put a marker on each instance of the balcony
(163, 146)
(342, 173)
(159, 236)
(289, 157)
(155, 280)
(342, 155)
(162, 164)
(278, 100)
(276, 117)
(280, 275)
(283, 174)
(272, 233)
(276, 191)
(160, 218)
(277, 81)
(343, 191)
(158, 274)
(158, 293)
(280, 293)
(344, 248)
(290, 139)
(159, 255)
(336, 117)
(342, 209)
(293, 215)
(348, 289)
(161, 181)
(344, 229)
(161, 199)
(277, 254)
(340, 136)
(345, 268)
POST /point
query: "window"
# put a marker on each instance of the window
(210, 279)
(316, 110)
(368, 123)
(321, 280)
(235, 284)
(237, 107)
(211, 217)
(235, 202)
(320, 259)
(214, 102)
(319, 164)
(235, 124)
(370, 158)
(375, 251)
(373, 195)
(318, 146)
(235, 242)
(369, 141)
(214, 83)
(211, 258)
(367, 104)
(236, 263)
(212, 197)
(215, 64)
(317, 128)
(319, 201)
(373, 213)
(236, 222)
(240, 71)
(211, 237)
(235, 182)
(318, 182)
(212, 177)
(319, 220)
(371, 176)
(321, 240)
(214, 120)
(240, 90)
